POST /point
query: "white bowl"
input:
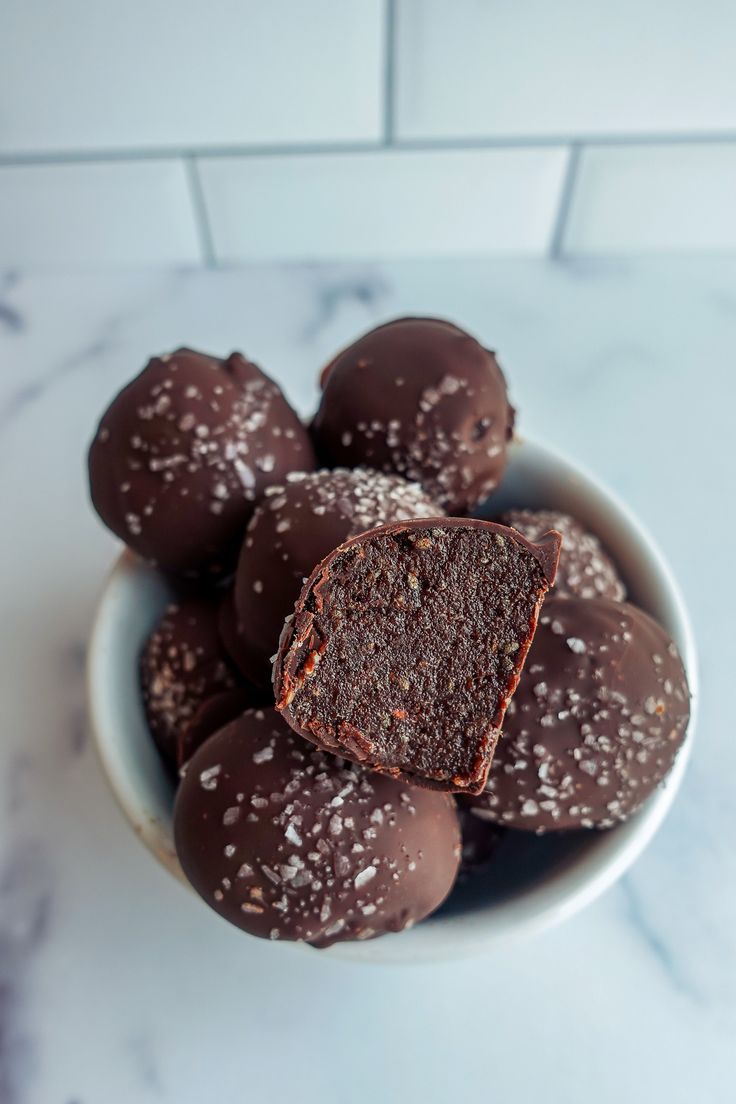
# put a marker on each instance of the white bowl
(546, 879)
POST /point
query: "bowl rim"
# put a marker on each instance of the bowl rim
(454, 936)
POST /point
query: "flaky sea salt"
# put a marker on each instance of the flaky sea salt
(364, 876)
(208, 778)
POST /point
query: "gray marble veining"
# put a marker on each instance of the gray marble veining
(11, 320)
(116, 985)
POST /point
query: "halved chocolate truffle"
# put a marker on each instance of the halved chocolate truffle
(585, 570)
(293, 529)
(596, 722)
(289, 843)
(421, 397)
(181, 454)
(407, 643)
(189, 687)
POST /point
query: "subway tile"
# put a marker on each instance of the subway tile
(388, 204)
(654, 198)
(496, 69)
(95, 76)
(127, 213)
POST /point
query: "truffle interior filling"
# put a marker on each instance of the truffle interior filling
(416, 642)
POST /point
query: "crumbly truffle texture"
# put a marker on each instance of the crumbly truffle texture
(183, 666)
(183, 451)
(293, 528)
(585, 569)
(407, 643)
(596, 723)
(421, 397)
(288, 843)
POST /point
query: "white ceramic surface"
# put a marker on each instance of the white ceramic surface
(303, 206)
(658, 198)
(126, 213)
(551, 884)
(231, 71)
(474, 68)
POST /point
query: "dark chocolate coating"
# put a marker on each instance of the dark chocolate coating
(213, 714)
(231, 631)
(421, 397)
(183, 451)
(183, 667)
(294, 527)
(407, 643)
(585, 570)
(289, 843)
(596, 722)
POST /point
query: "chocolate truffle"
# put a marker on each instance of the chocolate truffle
(293, 528)
(585, 570)
(597, 720)
(421, 397)
(183, 669)
(183, 451)
(407, 643)
(289, 843)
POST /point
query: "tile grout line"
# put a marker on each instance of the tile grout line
(176, 153)
(389, 72)
(565, 203)
(297, 149)
(199, 209)
(544, 141)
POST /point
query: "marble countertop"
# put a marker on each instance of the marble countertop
(115, 984)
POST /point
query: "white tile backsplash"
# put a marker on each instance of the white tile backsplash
(515, 68)
(88, 214)
(388, 204)
(101, 75)
(654, 198)
(158, 132)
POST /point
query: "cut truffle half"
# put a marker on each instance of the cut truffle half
(407, 643)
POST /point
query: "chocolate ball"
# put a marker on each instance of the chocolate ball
(596, 722)
(183, 451)
(585, 570)
(294, 527)
(421, 397)
(288, 843)
(189, 686)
